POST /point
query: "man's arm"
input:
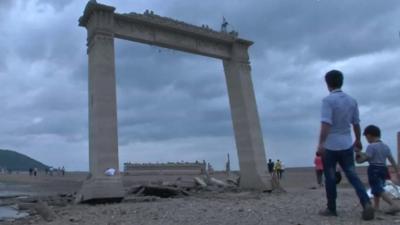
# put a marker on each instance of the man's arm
(357, 134)
(325, 127)
(357, 129)
(361, 157)
(326, 123)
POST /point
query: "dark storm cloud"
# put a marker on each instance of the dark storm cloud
(58, 5)
(327, 29)
(6, 5)
(177, 101)
(165, 94)
(150, 69)
(374, 81)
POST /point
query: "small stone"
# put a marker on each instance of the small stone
(74, 219)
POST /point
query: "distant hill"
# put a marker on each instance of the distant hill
(11, 160)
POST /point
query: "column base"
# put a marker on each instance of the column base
(101, 190)
(257, 182)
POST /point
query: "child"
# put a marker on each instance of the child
(376, 154)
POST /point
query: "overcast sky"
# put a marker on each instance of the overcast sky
(173, 106)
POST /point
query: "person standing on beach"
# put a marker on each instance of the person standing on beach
(270, 166)
(339, 114)
(278, 169)
(319, 168)
(282, 169)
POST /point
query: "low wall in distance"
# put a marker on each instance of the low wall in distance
(185, 168)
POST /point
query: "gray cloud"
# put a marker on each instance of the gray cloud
(6, 5)
(58, 5)
(174, 105)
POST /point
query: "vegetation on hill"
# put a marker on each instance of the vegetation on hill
(11, 160)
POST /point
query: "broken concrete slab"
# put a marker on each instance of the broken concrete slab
(199, 181)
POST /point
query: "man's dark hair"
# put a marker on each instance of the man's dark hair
(373, 131)
(334, 79)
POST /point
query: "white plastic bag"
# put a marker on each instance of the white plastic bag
(110, 172)
(390, 188)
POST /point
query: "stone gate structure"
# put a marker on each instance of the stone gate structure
(103, 25)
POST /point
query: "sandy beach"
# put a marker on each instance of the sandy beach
(299, 206)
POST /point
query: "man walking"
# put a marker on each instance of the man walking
(339, 113)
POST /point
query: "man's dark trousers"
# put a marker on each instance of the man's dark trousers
(345, 158)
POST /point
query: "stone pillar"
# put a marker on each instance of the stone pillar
(103, 131)
(246, 123)
(398, 147)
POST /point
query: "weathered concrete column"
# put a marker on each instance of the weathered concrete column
(103, 131)
(246, 123)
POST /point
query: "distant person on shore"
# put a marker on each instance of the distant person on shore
(339, 113)
(35, 171)
(278, 168)
(376, 154)
(270, 166)
(30, 171)
(282, 169)
(319, 168)
(63, 171)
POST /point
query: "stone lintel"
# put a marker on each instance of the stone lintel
(153, 22)
(166, 23)
(90, 8)
(144, 33)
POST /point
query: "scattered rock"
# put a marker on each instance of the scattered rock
(135, 199)
(45, 211)
(233, 181)
(74, 219)
(159, 191)
(199, 181)
(217, 182)
(40, 208)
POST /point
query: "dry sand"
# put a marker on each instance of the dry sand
(298, 206)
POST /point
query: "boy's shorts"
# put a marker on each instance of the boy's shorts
(376, 179)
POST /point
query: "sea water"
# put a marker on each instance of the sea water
(8, 212)
(11, 190)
